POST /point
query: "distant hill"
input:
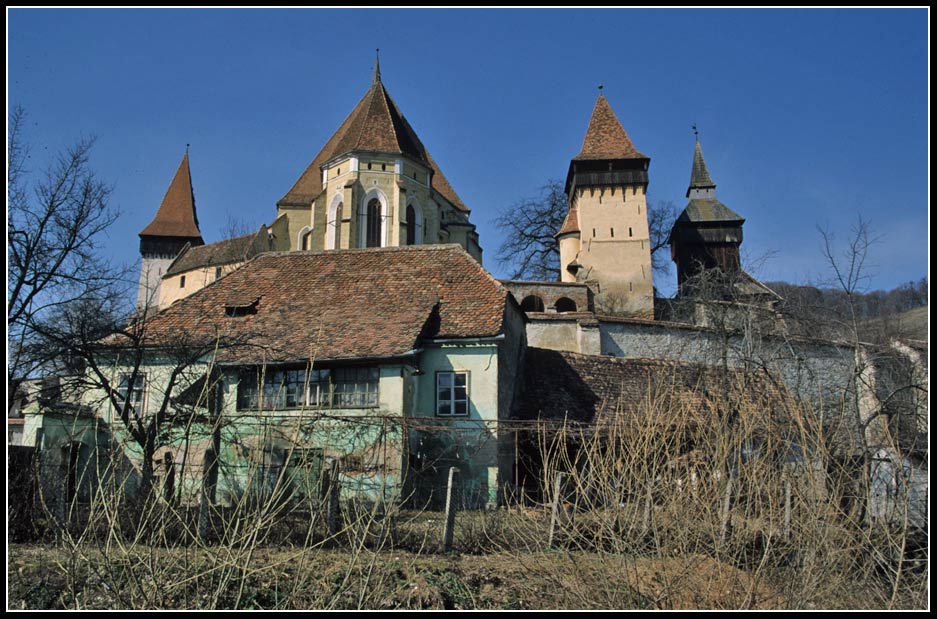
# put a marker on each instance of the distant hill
(908, 325)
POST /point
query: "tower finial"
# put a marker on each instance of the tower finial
(187, 148)
(600, 89)
(696, 132)
(377, 67)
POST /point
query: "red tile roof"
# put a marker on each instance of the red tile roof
(571, 223)
(605, 137)
(176, 216)
(347, 304)
(375, 124)
(228, 251)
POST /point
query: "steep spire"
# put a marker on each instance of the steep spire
(605, 137)
(699, 175)
(176, 216)
(377, 67)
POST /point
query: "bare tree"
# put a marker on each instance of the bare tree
(661, 216)
(55, 227)
(234, 227)
(849, 267)
(530, 249)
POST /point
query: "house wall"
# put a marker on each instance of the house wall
(470, 443)
(172, 288)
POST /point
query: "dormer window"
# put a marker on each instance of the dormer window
(240, 307)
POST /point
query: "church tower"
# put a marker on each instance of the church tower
(174, 227)
(604, 240)
(707, 234)
(374, 184)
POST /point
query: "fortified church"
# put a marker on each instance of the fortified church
(374, 184)
(360, 330)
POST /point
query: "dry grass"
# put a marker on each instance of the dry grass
(657, 511)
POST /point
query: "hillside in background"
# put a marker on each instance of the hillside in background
(831, 313)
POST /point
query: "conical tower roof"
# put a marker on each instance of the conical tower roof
(375, 124)
(703, 206)
(176, 216)
(606, 138)
(699, 175)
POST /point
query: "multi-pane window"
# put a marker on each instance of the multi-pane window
(452, 394)
(132, 391)
(289, 388)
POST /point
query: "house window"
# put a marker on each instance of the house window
(217, 272)
(297, 388)
(452, 394)
(131, 392)
(182, 282)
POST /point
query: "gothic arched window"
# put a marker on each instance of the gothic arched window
(334, 228)
(411, 225)
(373, 225)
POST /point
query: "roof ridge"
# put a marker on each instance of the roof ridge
(388, 102)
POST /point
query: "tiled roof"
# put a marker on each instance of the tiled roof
(441, 184)
(362, 303)
(571, 223)
(591, 388)
(375, 124)
(699, 175)
(711, 210)
(176, 216)
(605, 137)
(228, 251)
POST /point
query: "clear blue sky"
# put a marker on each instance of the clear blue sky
(806, 116)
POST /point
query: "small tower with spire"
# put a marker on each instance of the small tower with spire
(174, 227)
(604, 240)
(707, 234)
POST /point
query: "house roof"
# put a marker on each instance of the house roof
(374, 125)
(227, 251)
(605, 137)
(176, 216)
(335, 305)
(594, 389)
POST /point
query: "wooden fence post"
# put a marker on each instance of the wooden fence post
(450, 511)
(726, 511)
(557, 505)
(332, 495)
(205, 503)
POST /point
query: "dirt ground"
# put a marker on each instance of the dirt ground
(315, 579)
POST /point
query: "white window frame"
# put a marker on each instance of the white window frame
(137, 407)
(363, 217)
(450, 390)
(334, 223)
